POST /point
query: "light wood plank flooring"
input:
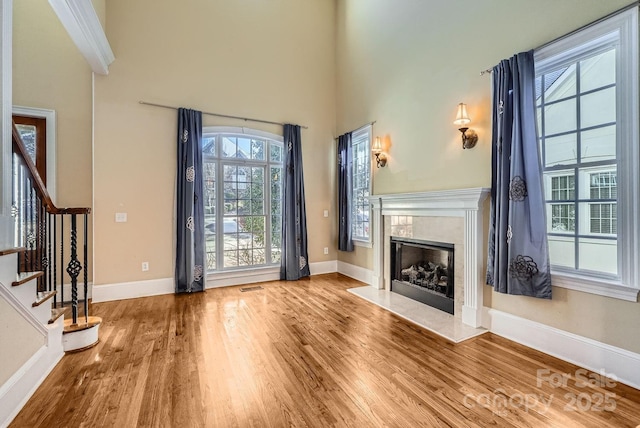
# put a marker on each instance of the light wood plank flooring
(305, 353)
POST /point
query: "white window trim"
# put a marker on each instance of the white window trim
(358, 241)
(628, 155)
(241, 131)
(363, 243)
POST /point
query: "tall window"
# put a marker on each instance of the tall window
(587, 121)
(360, 218)
(243, 198)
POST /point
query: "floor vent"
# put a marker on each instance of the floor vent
(257, 287)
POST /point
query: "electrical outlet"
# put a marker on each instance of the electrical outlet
(326, 213)
(121, 217)
(326, 250)
(145, 266)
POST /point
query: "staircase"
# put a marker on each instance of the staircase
(46, 259)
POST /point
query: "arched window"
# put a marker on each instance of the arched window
(243, 197)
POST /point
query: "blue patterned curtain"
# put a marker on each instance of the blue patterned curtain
(345, 192)
(294, 263)
(518, 256)
(190, 251)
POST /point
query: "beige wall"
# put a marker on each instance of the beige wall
(19, 340)
(272, 60)
(407, 64)
(49, 72)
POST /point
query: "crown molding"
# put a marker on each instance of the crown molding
(80, 20)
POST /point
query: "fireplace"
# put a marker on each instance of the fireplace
(423, 271)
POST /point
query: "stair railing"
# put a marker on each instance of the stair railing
(40, 228)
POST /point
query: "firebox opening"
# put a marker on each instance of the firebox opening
(423, 271)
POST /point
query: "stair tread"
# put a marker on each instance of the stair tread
(8, 251)
(43, 296)
(57, 313)
(26, 277)
(69, 327)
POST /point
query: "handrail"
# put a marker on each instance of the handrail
(37, 222)
(38, 184)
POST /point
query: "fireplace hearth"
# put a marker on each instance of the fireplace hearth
(423, 271)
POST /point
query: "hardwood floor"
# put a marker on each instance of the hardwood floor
(306, 353)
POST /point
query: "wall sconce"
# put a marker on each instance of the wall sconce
(376, 149)
(469, 136)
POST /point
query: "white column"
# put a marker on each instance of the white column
(473, 281)
(6, 220)
(377, 279)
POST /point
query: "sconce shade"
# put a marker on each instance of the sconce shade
(462, 118)
(377, 146)
(376, 149)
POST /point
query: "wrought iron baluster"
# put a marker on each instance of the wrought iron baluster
(49, 252)
(39, 239)
(25, 221)
(31, 237)
(55, 258)
(86, 274)
(73, 269)
(62, 260)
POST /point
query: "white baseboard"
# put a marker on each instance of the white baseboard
(132, 290)
(355, 272)
(579, 350)
(318, 268)
(156, 287)
(16, 391)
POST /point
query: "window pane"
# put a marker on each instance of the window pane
(231, 258)
(563, 188)
(562, 251)
(209, 146)
(560, 117)
(598, 108)
(561, 150)
(229, 147)
(244, 148)
(560, 84)
(275, 255)
(603, 185)
(209, 188)
(599, 255)
(28, 135)
(257, 149)
(563, 218)
(276, 153)
(598, 71)
(599, 144)
(211, 258)
(603, 219)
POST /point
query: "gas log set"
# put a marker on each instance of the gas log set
(431, 276)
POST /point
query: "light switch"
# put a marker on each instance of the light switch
(121, 217)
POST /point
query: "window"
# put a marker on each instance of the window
(360, 218)
(562, 214)
(587, 108)
(243, 198)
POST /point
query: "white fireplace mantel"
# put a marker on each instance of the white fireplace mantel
(466, 203)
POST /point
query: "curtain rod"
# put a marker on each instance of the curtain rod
(360, 127)
(221, 115)
(591, 24)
